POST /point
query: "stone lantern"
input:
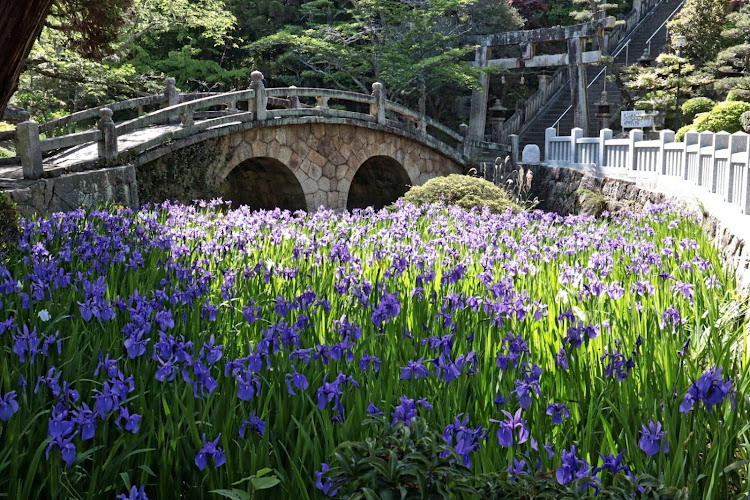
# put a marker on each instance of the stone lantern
(603, 113)
(497, 118)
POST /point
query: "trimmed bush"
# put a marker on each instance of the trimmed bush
(738, 95)
(463, 191)
(745, 121)
(724, 116)
(696, 105)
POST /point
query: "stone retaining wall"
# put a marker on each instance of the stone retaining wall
(115, 185)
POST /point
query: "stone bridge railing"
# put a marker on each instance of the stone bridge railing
(193, 113)
(717, 163)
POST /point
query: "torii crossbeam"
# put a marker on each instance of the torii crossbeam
(575, 58)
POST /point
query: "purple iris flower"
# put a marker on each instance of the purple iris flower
(167, 371)
(135, 494)
(672, 316)
(373, 410)
(711, 388)
(254, 423)
(85, 419)
(467, 439)
(210, 449)
(366, 359)
(517, 468)
(558, 411)
(508, 426)
(406, 411)
(572, 467)
(414, 369)
(296, 378)
(326, 486)
(561, 358)
(8, 405)
(108, 364)
(27, 343)
(213, 353)
(387, 309)
(617, 365)
(248, 386)
(614, 464)
(251, 312)
(132, 422)
(653, 439)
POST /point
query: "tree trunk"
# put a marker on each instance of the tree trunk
(21, 21)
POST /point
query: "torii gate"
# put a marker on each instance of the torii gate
(576, 58)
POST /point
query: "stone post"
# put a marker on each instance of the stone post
(691, 139)
(322, 102)
(636, 135)
(575, 134)
(173, 99)
(605, 135)
(738, 144)
(463, 129)
(549, 134)
(721, 142)
(603, 111)
(544, 82)
(258, 104)
(28, 147)
(108, 143)
(578, 90)
(294, 100)
(705, 139)
(514, 149)
(665, 137)
(377, 109)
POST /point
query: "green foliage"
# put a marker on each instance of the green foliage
(739, 95)
(701, 23)
(725, 116)
(696, 105)
(745, 121)
(463, 191)
(259, 481)
(10, 223)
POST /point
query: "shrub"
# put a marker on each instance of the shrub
(696, 105)
(724, 116)
(10, 223)
(745, 121)
(738, 95)
(463, 191)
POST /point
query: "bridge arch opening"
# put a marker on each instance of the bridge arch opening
(263, 183)
(380, 181)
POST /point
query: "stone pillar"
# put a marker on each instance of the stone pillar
(514, 148)
(258, 104)
(721, 142)
(605, 134)
(549, 134)
(173, 98)
(322, 102)
(463, 129)
(377, 109)
(691, 139)
(636, 135)
(665, 137)
(738, 143)
(575, 134)
(294, 100)
(478, 116)
(28, 147)
(544, 82)
(577, 73)
(108, 143)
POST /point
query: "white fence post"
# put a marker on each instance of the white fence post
(738, 144)
(720, 152)
(605, 134)
(549, 134)
(705, 140)
(636, 135)
(691, 139)
(575, 134)
(665, 137)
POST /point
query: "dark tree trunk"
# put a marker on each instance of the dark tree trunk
(21, 21)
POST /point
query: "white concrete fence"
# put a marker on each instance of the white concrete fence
(716, 162)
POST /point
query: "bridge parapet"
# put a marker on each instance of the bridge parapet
(188, 114)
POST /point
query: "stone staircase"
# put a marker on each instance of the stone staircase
(650, 32)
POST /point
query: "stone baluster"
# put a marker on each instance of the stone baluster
(294, 100)
(187, 119)
(258, 105)
(28, 147)
(173, 98)
(108, 143)
(322, 102)
(665, 137)
(721, 142)
(738, 145)
(514, 148)
(377, 109)
(691, 139)
(549, 134)
(575, 134)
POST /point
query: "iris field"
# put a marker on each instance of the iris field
(179, 350)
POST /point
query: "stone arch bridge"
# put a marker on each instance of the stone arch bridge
(262, 147)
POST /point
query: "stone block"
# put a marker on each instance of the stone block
(315, 172)
(341, 171)
(531, 154)
(329, 170)
(320, 198)
(316, 158)
(324, 184)
(325, 146)
(284, 154)
(309, 186)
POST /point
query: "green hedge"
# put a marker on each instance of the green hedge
(463, 191)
